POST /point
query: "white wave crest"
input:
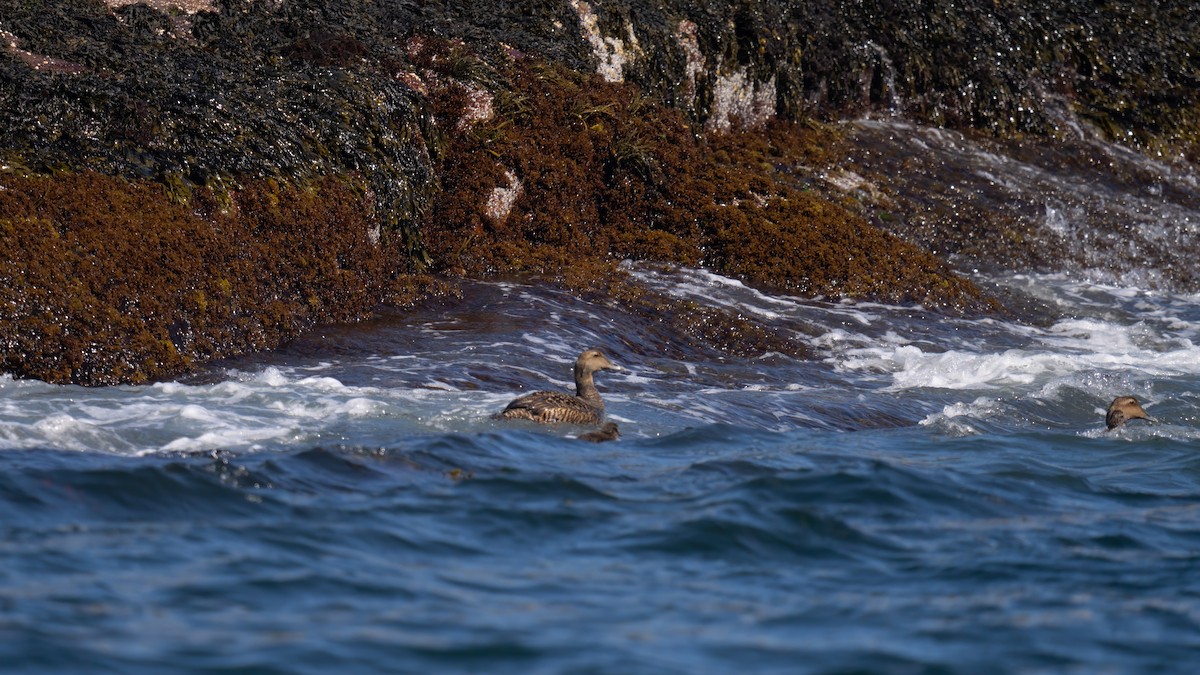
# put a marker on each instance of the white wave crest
(1068, 347)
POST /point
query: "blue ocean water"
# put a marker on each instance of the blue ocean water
(928, 495)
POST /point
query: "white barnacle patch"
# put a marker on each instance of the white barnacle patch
(479, 106)
(685, 35)
(500, 201)
(611, 53)
(738, 96)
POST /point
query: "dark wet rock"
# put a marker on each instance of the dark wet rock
(1082, 206)
(607, 173)
(485, 138)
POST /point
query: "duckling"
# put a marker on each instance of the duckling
(553, 407)
(608, 432)
(1123, 409)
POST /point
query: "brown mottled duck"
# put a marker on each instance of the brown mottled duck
(553, 407)
(1123, 409)
(609, 432)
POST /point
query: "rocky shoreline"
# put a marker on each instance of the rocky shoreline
(184, 181)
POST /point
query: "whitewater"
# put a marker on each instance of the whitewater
(926, 494)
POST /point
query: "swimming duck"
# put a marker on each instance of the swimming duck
(553, 407)
(608, 432)
(1123, 409)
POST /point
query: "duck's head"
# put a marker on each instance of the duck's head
(1123, 409)
(593, 360)
(610, 429)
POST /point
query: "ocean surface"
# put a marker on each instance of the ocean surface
(929, 494)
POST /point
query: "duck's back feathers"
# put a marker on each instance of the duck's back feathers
(553, 407)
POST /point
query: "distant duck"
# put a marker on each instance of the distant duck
(608, 432)
(1123, 409)
(553, 407)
